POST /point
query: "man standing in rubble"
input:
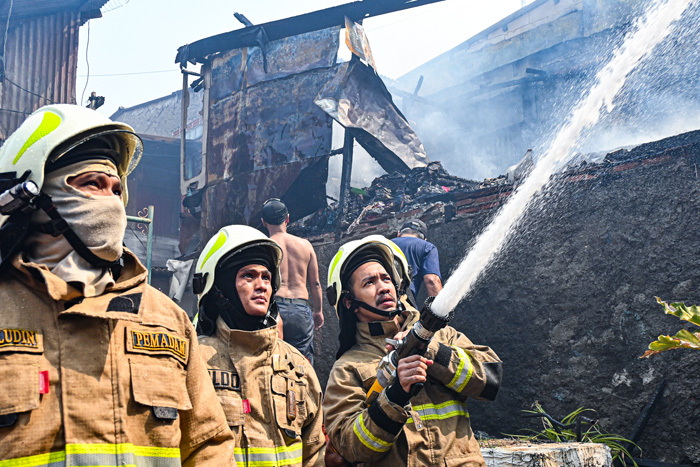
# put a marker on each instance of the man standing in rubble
(425, 425)
(97, 367)
(298, 267)
(421, 255)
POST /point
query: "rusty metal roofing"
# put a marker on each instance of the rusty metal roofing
(22, 9)
(40, 67)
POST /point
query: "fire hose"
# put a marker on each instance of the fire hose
(414, 343)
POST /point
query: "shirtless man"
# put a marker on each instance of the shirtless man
(298, 268)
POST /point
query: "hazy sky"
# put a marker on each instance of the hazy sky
(131, 49)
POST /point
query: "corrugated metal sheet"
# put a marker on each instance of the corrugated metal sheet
(22, 9)
(41, 61)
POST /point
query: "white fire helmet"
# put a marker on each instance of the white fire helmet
(52, 131)
(394, 261)
(228, 242)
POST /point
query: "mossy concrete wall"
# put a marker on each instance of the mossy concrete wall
(569, 305)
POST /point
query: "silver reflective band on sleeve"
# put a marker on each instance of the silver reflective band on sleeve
(368, 439)
(442, 411)
(463, 373)
(268, 457)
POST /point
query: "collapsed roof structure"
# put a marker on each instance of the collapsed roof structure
(258, 142)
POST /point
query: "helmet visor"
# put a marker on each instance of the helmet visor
(127, 144)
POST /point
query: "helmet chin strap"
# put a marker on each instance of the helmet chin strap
(355, 304)
(58, 226)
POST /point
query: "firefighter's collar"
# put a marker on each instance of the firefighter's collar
(247, 342)
(38, 276)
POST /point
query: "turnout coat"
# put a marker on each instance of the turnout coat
(270, 394)
(110, 380)
(433, 428)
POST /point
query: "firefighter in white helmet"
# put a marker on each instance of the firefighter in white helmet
(268, 389)
(421, 419)
(97, 367)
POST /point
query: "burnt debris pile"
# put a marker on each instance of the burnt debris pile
(430, 193)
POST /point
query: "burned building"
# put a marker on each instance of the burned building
(39, 57)
(271, 93)
(483, 104)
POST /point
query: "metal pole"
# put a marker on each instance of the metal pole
(149, 242)
(345, 175)
(183, 116)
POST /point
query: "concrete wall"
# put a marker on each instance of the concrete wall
(569, 306)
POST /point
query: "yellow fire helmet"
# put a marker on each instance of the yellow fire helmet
(228, 242)
(52, 131)
(394, 261)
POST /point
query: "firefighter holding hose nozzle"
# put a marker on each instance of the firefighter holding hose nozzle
(397, 392)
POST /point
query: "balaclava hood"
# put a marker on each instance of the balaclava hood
(99, 221)
(223, 299)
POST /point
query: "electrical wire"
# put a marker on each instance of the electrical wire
(136, 73)
(27, 90)
(4, 40)
(87, 47)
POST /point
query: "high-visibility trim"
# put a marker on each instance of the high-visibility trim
(368, 439)
(268, 457)
(49, 123)
(101, 455)
(464, 372)
(220, 240)
(52, 459)
(441, 411)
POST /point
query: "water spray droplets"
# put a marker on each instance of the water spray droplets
(649, 31)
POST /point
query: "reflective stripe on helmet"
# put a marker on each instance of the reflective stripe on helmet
(49, 123)
(220, 240)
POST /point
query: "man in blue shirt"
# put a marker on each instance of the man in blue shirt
(421, 255)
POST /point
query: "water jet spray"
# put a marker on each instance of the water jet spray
(648, 31)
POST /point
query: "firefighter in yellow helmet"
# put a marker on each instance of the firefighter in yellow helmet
(97, 367)
(268, 389)
(421, 419)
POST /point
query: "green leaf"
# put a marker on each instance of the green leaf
(680, 310)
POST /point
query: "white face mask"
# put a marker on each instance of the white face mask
(99, 221)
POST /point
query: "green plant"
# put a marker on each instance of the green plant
(578, 425)
(683, 339)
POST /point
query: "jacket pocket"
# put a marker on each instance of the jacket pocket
(367, 374)
(289, 399)
(162, 387)
(233, 407)
(19, 389)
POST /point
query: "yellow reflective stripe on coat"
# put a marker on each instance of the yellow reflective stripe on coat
(442, 411)
(269, 457)
(368, 439)
(463, 373)
(101, 455)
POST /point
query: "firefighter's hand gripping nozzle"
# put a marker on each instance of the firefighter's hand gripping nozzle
(415, 343)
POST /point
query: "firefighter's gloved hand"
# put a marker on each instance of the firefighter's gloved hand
(412, 370)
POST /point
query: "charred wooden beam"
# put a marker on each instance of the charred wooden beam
(313, 21)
